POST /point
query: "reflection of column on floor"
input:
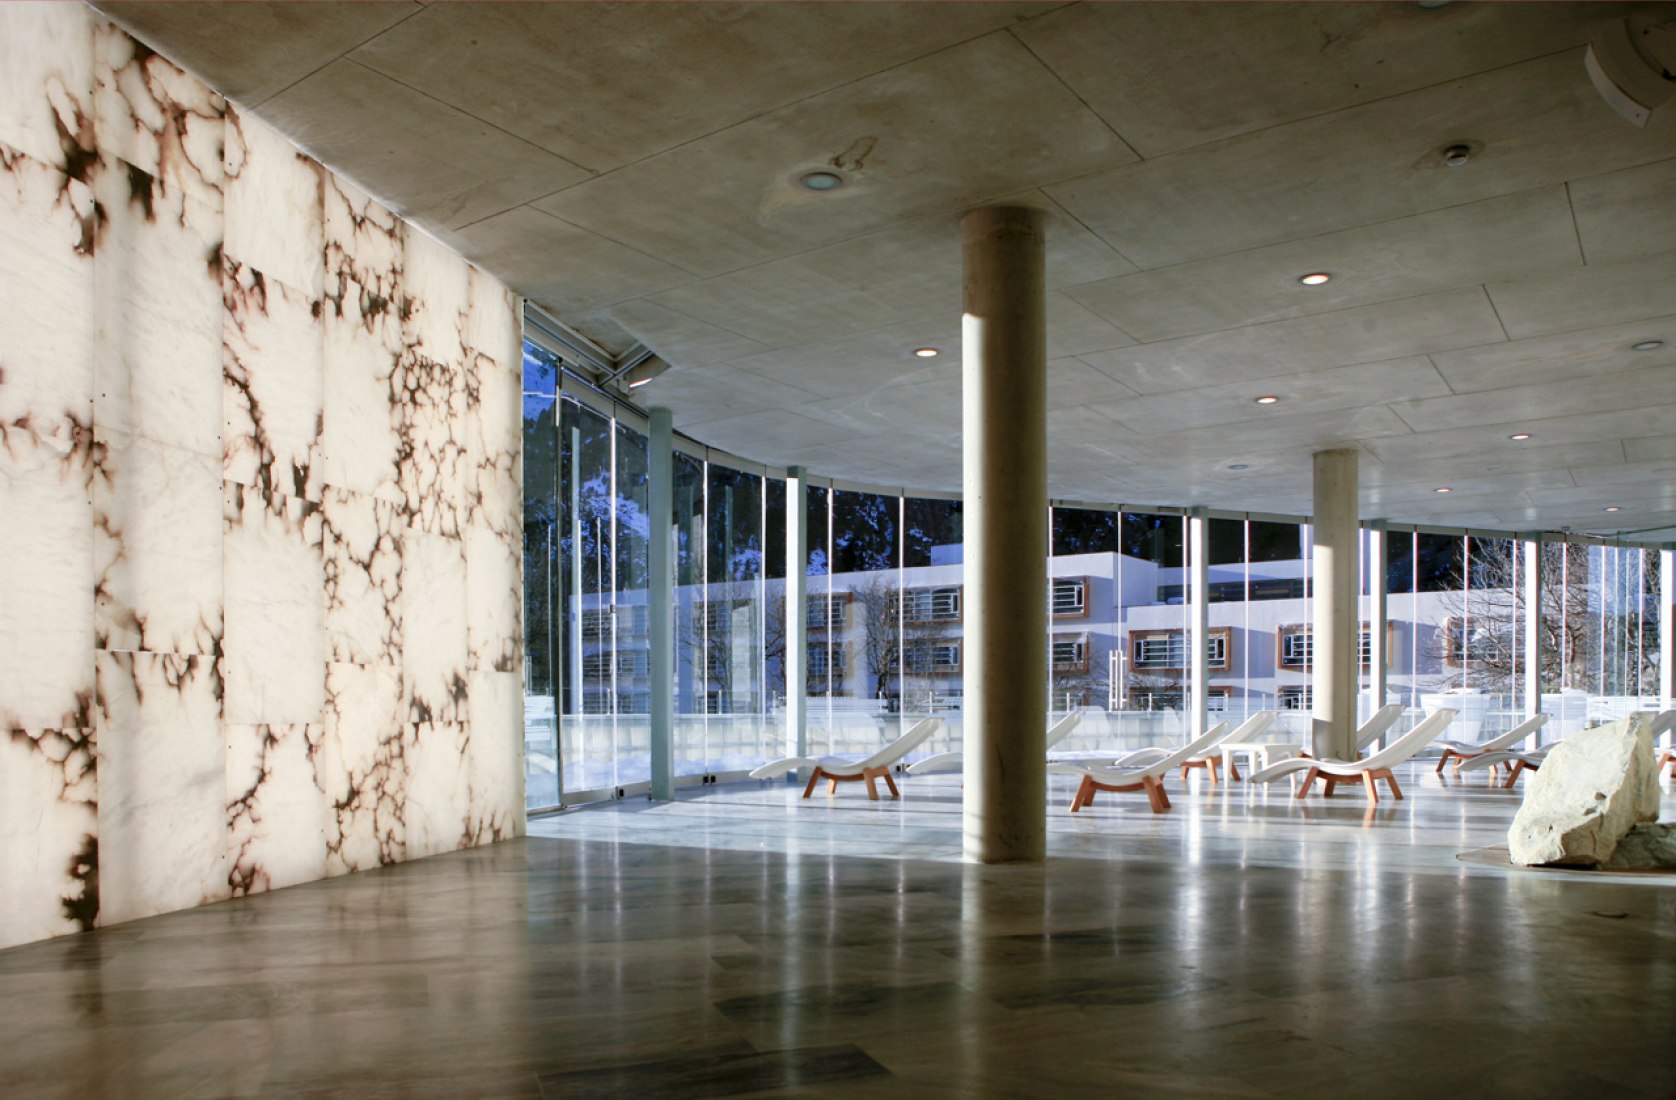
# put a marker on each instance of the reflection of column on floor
(1004, 396)
(1336, 643)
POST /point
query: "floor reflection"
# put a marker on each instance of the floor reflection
(741, 941)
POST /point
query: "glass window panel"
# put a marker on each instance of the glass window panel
(543, 592)
(541, 370)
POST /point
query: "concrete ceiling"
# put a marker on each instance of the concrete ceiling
(633, 169)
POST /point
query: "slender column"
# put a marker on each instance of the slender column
(1198, 606)
(1667, 629)
(1532, 628)
(797, 615)
(1335, 628)
(1004, 391)
(660, 598)
(1379, 617)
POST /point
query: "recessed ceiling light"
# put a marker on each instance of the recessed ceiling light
(1443, 489)
(1648, 345)
(822, 181)
(927, 353)
(1456, 155)
(1267, 399)
(638, 383)
(1239, 466)
(1516, 436)
(1610, 508)
(1314, 278)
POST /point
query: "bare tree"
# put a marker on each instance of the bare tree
(881, 640)
(1577, 620)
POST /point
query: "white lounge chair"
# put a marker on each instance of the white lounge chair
(873, 768)
(1099, 777)
(1368, 771)
(1244, 733)
(1520, 762)
(1376, 725)
(954, 761)
(1461, 751)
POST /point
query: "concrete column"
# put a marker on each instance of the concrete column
(797, 601)
(1379, 617)
(1198, 607)
(1335, 629)
(1531, 629)
(1004, 391)
(660, 599)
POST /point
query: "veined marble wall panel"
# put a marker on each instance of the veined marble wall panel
(46, 83)
(274, 220)
(434, 471)
(46, 594)
(361, 440)
(496, 756)
(272, 396)
(49, 851)
(46, 344)
(494, 441)
(156, 546)
(151, 114)
(363, 557)
(363, 768)
(157, 305)
(440, 798)
(276, 807)
(494, 600)
(162, 785)
(262, 611)
(275, 643)
(435, 654)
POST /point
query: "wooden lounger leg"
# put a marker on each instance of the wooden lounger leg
(1308, 779)
(832, 785)
(872, 791)
(1210, 768)
(1444, 759)
(1184, 770)
(814, 777)
(1391, 782)
(1233, 769)
(1155, 795)
(1372, 785)
(1513, 773)
(1084, 795)
(884, 773)
(1328, 786)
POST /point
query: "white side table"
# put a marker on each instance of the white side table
(1258, 754)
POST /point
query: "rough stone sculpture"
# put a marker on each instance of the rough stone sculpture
(1592, 789)
(1644, 848)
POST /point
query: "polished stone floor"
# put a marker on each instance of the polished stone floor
(742, 942)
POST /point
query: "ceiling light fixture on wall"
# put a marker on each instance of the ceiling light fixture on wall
(821, 181)
(1648, 345)
(1267, 399)
(1314, 278)
(927, 353)
(1519, 436)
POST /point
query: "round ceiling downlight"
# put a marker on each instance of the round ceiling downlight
(821, 181)
(1314, 278)
(1648, 345)
(1519, 437)
(1267, 399)
(927, 353)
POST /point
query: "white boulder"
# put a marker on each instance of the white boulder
(1645, 848)
(1592, 788)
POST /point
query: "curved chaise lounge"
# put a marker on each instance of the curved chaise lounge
(1520, 762)
(1369, 771)
(1462, 751)
(873, 768)
(956, 760)
(1244, 733)
(1099, 777)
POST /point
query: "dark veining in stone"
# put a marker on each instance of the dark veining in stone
(83, 906)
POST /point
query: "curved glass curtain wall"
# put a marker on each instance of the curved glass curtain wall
(886, 603)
